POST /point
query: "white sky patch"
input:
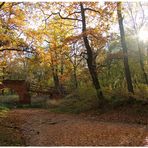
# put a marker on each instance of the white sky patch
(143, 35)
(104, 34)
(34, 25)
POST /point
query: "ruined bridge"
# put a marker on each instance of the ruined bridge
(21, 87)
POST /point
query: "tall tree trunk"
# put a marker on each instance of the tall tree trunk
(75, 77)
(147, 55)
(62, 64)
(56, 81)
(91, 61)
(55, 78)
(3, 78)
(124, 48)
(55, 75)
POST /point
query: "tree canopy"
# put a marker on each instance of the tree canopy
(76, 44)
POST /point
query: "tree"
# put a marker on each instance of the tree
(124, 48)
(90, 57)
(136, 29)
(12, 18)
(77, 12)
(75, 57)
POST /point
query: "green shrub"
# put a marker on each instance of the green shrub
(79, 101)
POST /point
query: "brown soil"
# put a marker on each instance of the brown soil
(40, 127)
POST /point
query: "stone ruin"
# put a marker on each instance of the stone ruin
(21, 87)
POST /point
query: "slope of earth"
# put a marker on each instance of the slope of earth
(40, 127)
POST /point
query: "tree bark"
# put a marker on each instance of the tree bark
(75, 77)
(62, 64)
(91, 61)
(56, 81)
(125, 50)
(2, 4)
(55, 78)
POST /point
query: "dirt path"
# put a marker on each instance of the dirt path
(43, 128)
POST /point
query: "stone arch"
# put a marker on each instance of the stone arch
(21, 87)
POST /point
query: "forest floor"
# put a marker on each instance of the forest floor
(40, 127)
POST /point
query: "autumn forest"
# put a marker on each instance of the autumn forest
(75, 64)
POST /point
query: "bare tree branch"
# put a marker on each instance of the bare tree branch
(134, 21)
(90, 9)
(62, 17)
(15, 49)
(143, 16)
(2, 4)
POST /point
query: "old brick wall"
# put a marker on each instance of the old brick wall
(20, 86)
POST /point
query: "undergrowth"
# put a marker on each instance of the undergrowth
(79, 101)
(82, 100)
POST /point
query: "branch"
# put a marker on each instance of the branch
(15, 49)
(90, 9)
(73, 13)
(101, 66)
(47, 41)
(98, 50)
(143, 16)
(69, 57)
(68, 18)
(1, 5)
(132, 17)
(79, 61)
(45, 19)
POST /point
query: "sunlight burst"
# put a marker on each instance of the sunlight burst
(143, 35)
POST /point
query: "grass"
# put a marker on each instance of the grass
(84, 100)
(79, 101)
